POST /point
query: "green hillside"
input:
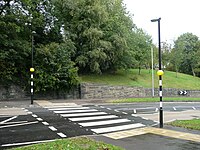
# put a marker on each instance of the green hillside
(132, 78)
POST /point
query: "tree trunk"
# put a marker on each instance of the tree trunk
(193, 72)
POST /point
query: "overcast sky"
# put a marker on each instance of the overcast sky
(177, 17)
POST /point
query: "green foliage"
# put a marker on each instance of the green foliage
(54, 68)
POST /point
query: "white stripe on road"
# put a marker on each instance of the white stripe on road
(68, 108)
(97, 123)
(62, 135)
(2, 122)
(21, 124)
(14, 122)
(39, 119)
(74, 111)
(26, 143)
(61, 106)
(35, 116)
(194, 108)
(117, 128)
(83, 114)
(52, 128)
(174, 108)
(45, 123)
(93, 118)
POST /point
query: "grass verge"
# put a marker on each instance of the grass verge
(156, 99)
(189, 124)
(80, 143)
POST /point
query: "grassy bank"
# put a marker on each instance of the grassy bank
(189, 124)
(156, 99)
(81, 143)
(132, 78)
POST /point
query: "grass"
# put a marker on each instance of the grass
(189, 124)
(80, 143)
(156, 99)
(132, 78)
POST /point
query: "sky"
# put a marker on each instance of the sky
(177, 17)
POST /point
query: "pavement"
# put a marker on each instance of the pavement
(151, 138)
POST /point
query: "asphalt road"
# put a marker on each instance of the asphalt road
(34, 124)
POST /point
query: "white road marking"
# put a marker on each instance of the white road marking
(194, 108)
(62, 135)
(39, 119)
(52, 128)
(174, 108)
(96, 123)
(21, 124)
(45, 123)
(68, 108)
(117, 128)
(93, 118)
(2, 122)
(74, 111)
(83, 114)
(116, 110)
(61, 106)
(124, 113)
(26, 143)
(29, 112)
(35, 116)
(156, 110)
(15, 122)
(134, 111)
(109, 108)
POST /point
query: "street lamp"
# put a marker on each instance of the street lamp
(160, 72)
(32, 68)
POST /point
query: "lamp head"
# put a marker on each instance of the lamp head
(155, 20)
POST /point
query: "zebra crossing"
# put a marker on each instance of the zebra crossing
(98, 121)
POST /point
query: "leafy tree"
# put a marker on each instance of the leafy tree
(54, 69)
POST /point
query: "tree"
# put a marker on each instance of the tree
(186, 48)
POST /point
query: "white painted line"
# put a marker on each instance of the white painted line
(74, 111)
(29, 113)
(26, 143)
(124, 113)
(45, 123)
(26, 110)
(117, 128)
(35, 116)
(116, 110)
(134, 111)
(68, 108)
(52, 128)
(62, 135)
(61, 106)
(156, 110)
(97, 123)
(21, 124)
(83, 114)
(39, 119)
(194, 108)
(2, 122)
(15, 122)
(109, 108)
(93, 118)
(134, 115)
(174, 108)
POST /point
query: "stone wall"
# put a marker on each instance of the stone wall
(93, 91)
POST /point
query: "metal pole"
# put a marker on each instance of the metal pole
(152, 72)
(32, 69)
(160, 72)
(160, 76)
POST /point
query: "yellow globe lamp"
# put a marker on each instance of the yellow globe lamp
(160, 72)
(32, 69)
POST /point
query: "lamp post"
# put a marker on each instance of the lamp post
(160, 72)
(32, 68)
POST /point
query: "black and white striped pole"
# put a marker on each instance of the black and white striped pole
(32, 86)
(32, 69)
(160, 72)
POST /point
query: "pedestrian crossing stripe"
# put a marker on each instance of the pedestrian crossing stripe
(83, 114)
(97, 123)
(68, 108)
(117, 128)
(74, 111)
(93, 118)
